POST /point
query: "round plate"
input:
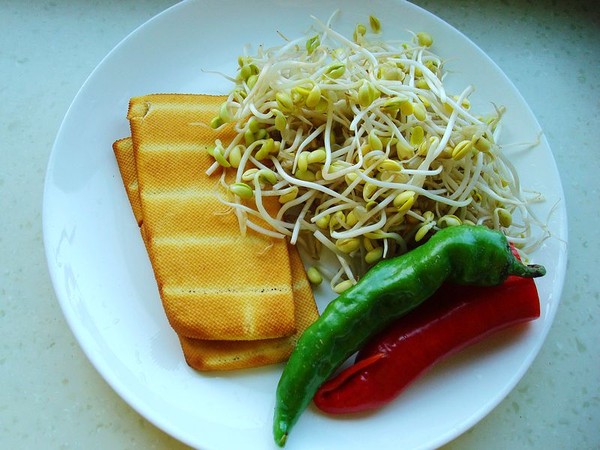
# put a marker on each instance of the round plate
(104, 281)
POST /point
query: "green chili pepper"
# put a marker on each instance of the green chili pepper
(472, 255)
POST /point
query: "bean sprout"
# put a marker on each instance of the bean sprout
(369, 152)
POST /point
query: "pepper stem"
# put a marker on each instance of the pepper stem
(527, 271)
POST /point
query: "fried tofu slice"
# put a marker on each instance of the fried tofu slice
(214, 282)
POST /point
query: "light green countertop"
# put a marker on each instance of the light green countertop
(53, 398)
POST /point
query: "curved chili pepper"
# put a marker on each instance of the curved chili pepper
(454, 318)
(464, 255)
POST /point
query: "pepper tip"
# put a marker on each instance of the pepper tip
(280, 432)
(282, 439)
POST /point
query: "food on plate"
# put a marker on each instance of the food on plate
(196, 253)
(366, 148)
(241, 354)
(123, 149)
(465, 254)
(219, 290)
(351, 148)
(452, 319)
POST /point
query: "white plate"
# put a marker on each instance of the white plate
(104, 281)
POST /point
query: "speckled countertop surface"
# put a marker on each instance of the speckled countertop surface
(52, 397)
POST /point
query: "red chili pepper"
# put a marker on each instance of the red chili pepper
(455, 317)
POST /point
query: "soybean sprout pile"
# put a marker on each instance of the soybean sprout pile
(365, 150)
